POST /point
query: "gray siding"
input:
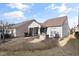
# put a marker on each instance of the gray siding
(65, 29)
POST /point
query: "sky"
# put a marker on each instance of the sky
(19, 12)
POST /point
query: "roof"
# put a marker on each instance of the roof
(23, 26)
(23, 23)
(49, 23)
(55, 21)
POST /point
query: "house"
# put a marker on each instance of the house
(50, 27)
(5, 30)
(57, 25)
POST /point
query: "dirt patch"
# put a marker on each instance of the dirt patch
(70, 49)
(23, 44)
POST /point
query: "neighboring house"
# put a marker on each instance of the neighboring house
(6, 29)
(50, 27)
(76, 28)
(0, 30)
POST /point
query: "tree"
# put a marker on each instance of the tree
(2, 29)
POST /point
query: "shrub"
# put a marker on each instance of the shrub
(76, 35)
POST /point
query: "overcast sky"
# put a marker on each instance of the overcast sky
(18, 12)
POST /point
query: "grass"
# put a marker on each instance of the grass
(70, 49)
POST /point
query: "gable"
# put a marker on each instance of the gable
(34, 24)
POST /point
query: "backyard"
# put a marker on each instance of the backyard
(69, 49)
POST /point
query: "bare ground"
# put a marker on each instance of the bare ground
(69, 49)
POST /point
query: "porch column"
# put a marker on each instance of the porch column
(28, 30)
(33, 33)
(39, 31)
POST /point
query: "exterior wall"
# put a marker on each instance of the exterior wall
(20, 31)
(51, 30)
(13, 32)
(65, 29)
(76, 29)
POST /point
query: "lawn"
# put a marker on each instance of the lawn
(70, 49)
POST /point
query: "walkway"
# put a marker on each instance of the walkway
(36, 40)
(65, 40)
